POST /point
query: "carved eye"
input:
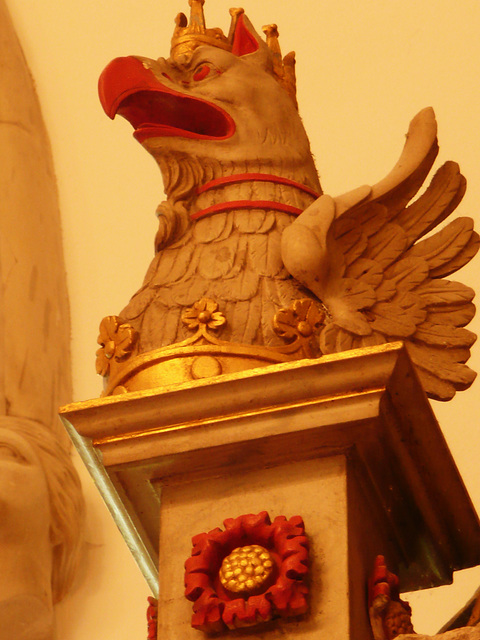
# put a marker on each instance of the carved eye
(202, 71)
(7, 452)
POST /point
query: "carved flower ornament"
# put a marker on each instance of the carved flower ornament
(152, 618)
(300, 320)
(117, 341)
(390, 616)
(249, 573)
(204, 312)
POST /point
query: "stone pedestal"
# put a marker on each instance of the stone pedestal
(349, 442)
(318, 489)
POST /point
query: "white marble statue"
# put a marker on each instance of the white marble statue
(40, 510)
(41, 505)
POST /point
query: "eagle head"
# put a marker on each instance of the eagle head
(231, 100)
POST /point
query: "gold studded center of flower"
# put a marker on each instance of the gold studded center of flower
(246, 569)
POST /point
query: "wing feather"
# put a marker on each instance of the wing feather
(441, 198)
(244, 320)
(240, 260)
(334, 339)
(438, 293)
(462, 258)
(211, 228)
(437, 388)
(445, 245)
(252, 326)
(387, 245)
(457, 315)
(398, 319)
(444, 335)
(138, 303)
(243, 287)
(368, 271)
(185, 296)
(370, 218)
(352, 243)
(401, 195)
(268, 310)
(218, 259)
(444, 375)
(378, 273)
(171, 265)
(404, 275)
(170, 319)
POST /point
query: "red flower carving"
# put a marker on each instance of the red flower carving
(390, 616)
(152, 616)
(216, 608)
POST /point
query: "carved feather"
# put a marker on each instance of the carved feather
(456, 376)
(387, 245)
(398, 197)
(171, 266)
(438, 293)
(210, 228)
(462, 257)
(458, 316)
(381, 282)
(404, 275)
(441, 198)
(444, 335)
(445, 245)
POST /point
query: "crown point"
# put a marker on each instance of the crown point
(197, 19)
(181, 21)
(236, 12)
(270, 30)
(283, 69)
(188, 35)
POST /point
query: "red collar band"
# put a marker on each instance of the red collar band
(255, 177)
(245, 204)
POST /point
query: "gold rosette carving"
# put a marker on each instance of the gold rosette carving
(117, 341)
(204, 315)
(299, 324)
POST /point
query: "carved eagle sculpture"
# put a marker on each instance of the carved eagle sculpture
(245, 222)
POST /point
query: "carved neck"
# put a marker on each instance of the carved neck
(26, 570)
(185, 177)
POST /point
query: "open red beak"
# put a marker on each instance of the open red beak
(130, 89)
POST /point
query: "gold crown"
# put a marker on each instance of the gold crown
(187, 36)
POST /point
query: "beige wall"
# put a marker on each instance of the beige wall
(364, 69)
